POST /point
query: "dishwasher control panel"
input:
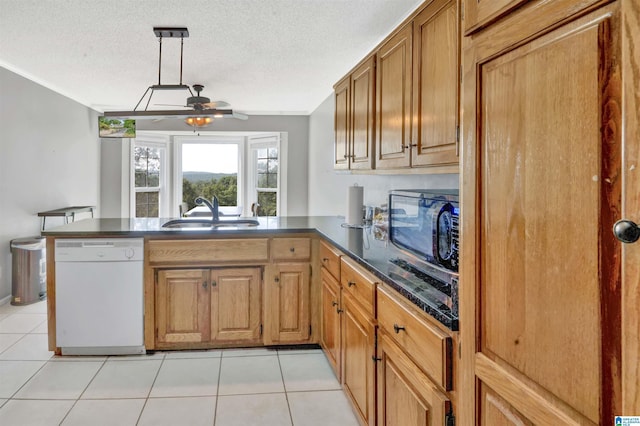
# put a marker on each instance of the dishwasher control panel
(99, 249)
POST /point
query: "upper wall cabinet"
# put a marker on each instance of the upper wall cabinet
(354, 118)
(414, 75)
(393, 106)
(436, 67)
(478, 13)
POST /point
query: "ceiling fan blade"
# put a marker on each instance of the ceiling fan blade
(172, 105)
(215, 105)
(240, 116)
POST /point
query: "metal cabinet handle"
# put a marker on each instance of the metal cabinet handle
(351, 283)
(339, 311)
(277, 279)
(292, 249)
(204, 284)
(397, 328)
(626, 231)
(214, 283)
(334, 303)
(325, 259)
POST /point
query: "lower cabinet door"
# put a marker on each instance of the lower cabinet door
(182, 307)
(406, 396)
(287, 314)
(330, 332)
(236, 305)
(358, 359)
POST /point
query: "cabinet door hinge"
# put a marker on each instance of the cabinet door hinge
(261, 329)
(155, 276)
(450, 420)
(310, 270)
(309, 329)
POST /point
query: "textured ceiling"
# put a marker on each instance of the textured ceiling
(261, 56)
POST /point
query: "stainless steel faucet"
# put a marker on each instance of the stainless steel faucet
(215, 207)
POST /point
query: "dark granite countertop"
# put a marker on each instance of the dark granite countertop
(357, 243)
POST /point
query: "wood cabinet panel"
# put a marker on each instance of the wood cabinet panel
(287, 249)
(406, 397)
(342, 123)
(330, 258)
(358, 352)
(287, 315)
(182, 306)
(330, 336)
(219, 250)
(479, 13)
(236, 304)
(359, 283)
(435, 84)
(393, 100)
(495, 411)
(362, 115)
(430, 347)
(542, 189)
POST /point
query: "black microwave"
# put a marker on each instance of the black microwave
(425, 223)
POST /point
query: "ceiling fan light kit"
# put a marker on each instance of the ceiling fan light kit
(201, 107)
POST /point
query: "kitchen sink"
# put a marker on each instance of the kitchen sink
(209, 224)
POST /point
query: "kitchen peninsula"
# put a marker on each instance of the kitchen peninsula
(287, 281)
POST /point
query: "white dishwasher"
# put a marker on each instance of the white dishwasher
(99, 296)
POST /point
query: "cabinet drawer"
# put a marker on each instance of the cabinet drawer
(330, 258)
(358, 283)
(429, 346)
(291, 249)
(227, 250)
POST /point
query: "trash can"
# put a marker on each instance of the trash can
(29, 270)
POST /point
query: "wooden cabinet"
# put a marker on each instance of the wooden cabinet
(406, 396)
(358, 338)
(330, 338)
(290, 249)
(207, 305)
(393, 100)
(479, 13)
(236, 313)
(331, 300)
(436, 82)
(287, 311)
(418, 91)
(359, 358)
(182, 306)
(354, 118)
(542, 184)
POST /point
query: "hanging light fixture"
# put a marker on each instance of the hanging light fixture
(198, 121)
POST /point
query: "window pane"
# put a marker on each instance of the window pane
(272, 180)
(273, 152)
(141, 179)
(262, 153)
(153, 179)
(273, 166)
(262, 166)
(268, 203)
(210, 169)
(262, 180)
(147, 204)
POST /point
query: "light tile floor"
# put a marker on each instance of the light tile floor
(241, 387)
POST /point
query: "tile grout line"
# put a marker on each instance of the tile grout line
(146, 400)
(215, 408)
(286, 393)
(83, 391)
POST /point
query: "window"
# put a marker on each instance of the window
(147, 166)
(266, 175)
(148, 196)
(208, 166)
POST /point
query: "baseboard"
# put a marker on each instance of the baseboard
(5, 300)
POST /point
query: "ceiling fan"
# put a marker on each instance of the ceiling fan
(198, 106)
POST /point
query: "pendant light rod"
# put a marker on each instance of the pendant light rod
(160, 61)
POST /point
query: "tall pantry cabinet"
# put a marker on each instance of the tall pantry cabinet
(549, 301)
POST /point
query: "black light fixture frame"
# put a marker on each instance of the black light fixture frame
(166, 32)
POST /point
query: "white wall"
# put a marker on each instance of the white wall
(328, 188)
(49, 158)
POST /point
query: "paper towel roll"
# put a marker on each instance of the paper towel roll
(355, 198)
